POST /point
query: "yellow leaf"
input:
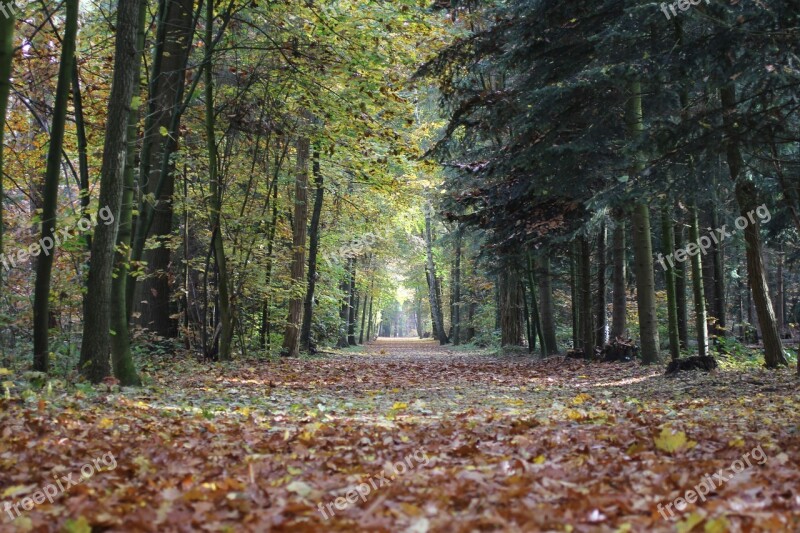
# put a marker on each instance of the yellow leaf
(399, 405)
(81, 525)
(105, 423)
(670, 441)
(684, 526)
(16, 490)
(5, 372)
(717, 525)
(580, 398)
(539, 460)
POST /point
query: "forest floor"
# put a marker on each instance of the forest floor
(406, 436)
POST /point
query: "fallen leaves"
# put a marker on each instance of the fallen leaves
(512, 444)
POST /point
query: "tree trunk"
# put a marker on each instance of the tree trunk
(668, 238)
(308, 305)
(121, 358)
(587, 328)
(510, 309)
(44, 264)
(746, 197)
(779, 290)
(456, 312)
(291, 346)
(601, 330)
(96, 348)
(151, 296)
(680, 289)
(363, 318)
(642, 244)
(6, 55)
(619, 298)
(370, 322)
(215, 201)
(353, 311)
(575, 295)
(436, 307)
(344, 311)
(701, 321)
(547, 315)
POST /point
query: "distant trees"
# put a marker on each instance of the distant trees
(561, 112)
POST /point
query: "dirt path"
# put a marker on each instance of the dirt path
(418, 437)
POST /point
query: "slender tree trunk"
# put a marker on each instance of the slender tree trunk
(619, 299)
(456, 313)
(291, 346)
(536, 316)
(436, 307)
(215, 201)
(587, 328)
(363, 318)
(96, 347)
(510, 309)
(718, 275)
(680, 289)
(746, 197)
(6, 55)
(701, 321)
(779, 290)
(544, 279)
(642, 244)
(353, 312)
(308, 304)
(601, 330)
(370, 322)
(668, 238)
(44, 264)
(574, 277)
(344, 311)
(83, 146)
(121, 358)
(530, 328)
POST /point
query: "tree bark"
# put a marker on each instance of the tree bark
(668, 237)
(642, 244)
(121, 357)
(308, 305)
(680, 289)
(619, 298)
(96, 347)
(510, 309)
(151, 295)
(215, 201)
(547, 315)
(456, 312)
(701, 320)
(601, 329)
(6, 55)
(44, 264)
(746, 197)
(587, 328)
(291, 346)
(436, 307)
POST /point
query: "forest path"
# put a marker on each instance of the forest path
(419, 438)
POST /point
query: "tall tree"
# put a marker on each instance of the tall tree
(642, 244)
(313, 248)
(96, 348)
(619, 297)
(44, 264)
(6, 55)
(291, 338)
(433, 285)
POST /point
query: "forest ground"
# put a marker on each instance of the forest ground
(481, 442)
